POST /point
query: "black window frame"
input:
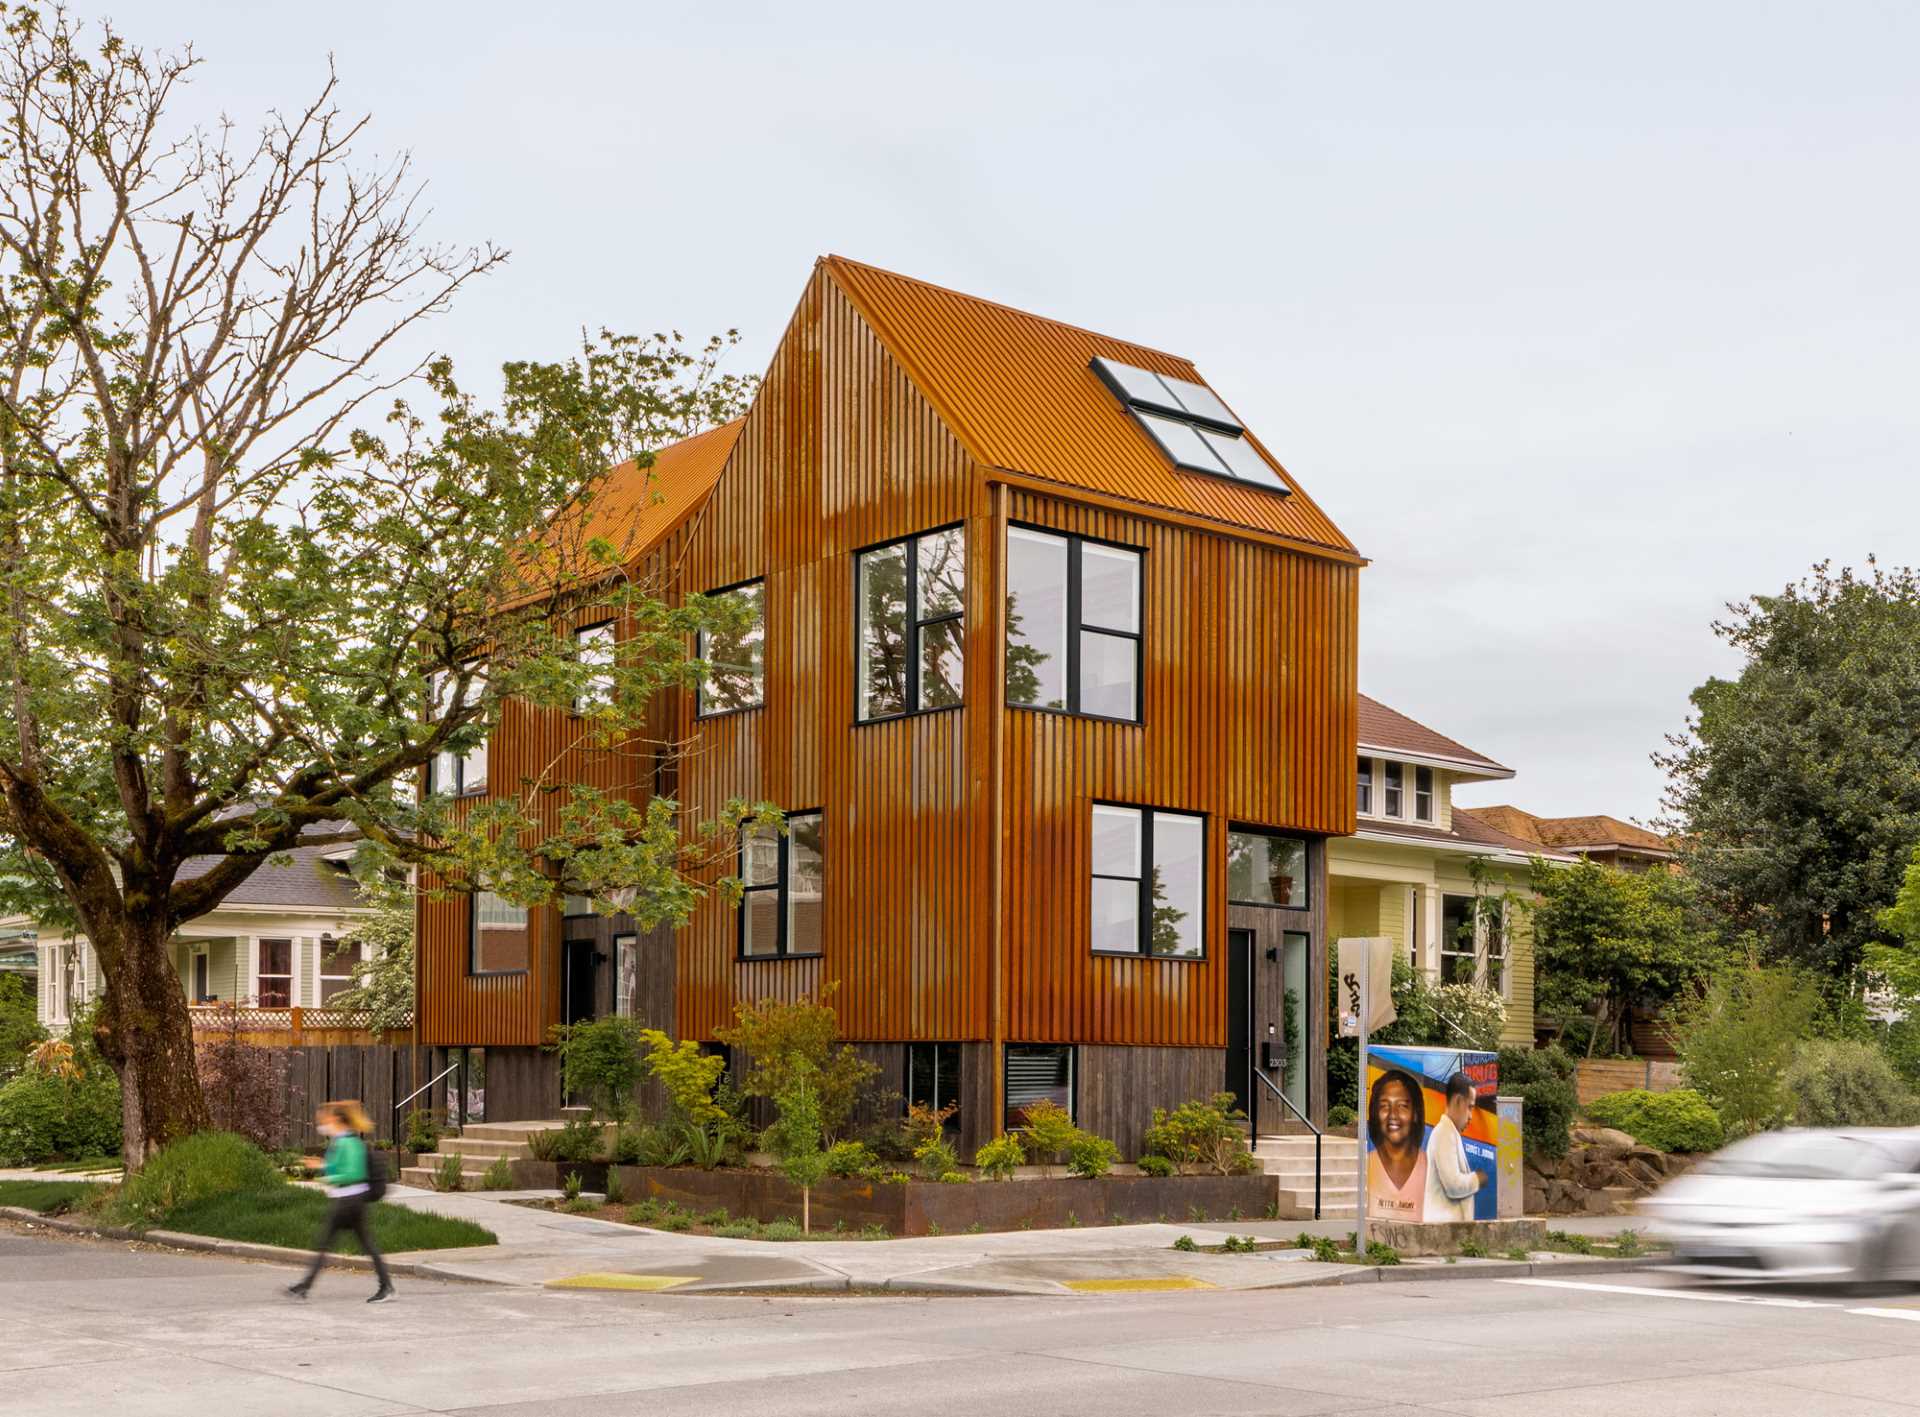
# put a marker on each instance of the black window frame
(473, 939)
(700, 711)
(581, 705)
(1393, 785)
(1144, 925)
(1272, 833)
(1363, 786)
(782, 888)
(915, 625)
(1072, 1053)
(1076, 625)
(460, 789)
(1423, 792)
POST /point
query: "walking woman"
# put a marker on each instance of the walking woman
(346, 1177)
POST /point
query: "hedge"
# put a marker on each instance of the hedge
(1682, 1120)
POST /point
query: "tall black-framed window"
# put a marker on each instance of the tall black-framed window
(1393, 794)
(782, 875)
(1423, 794)
(1265, 868)
(1149, 882)
(910, 612)
(933, 1077)
(1073, 625)
(1037, 1072)
(458, 774)
(1363, 792)
(735, 657)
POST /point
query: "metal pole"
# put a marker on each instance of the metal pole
(1360, 1110)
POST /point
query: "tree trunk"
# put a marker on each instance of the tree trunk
(145, 1032)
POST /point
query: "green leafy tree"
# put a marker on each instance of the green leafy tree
(1737, 1039)
(383, 977)
(1795, 789)
(1608, 939)
(232, 621)
(20, 1028)
(795, 1136)
(601, 1060)
(779, 1038)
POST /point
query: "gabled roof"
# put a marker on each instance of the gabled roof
(1389, 731)
(1577, 833)
(1469, 831)
(1018, 392)
(635, 506)
(312, 877)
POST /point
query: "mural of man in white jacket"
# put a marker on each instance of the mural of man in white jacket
(1451, 1183)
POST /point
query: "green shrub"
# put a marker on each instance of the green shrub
(20, 1029)
(1543, 1079)
(1048, 1132)
(1570, 1241)
(998, 1158)
(423, 1132)
(616, 1193)
(449, 1174)
(955, 1178)
(717, 1216)
(1737, 1040)
(1841, 1083)
(498, 1176)
(1341, 1117)
(782, 1038)
(738, 1230)
(194, 1168)
(575, 1140)
(601, 1060)
(1681, 1120)
(1091, 1156)
(1186, 1245)
(783, 1229)
(1472, 1249)
(849, 1158)
(1239, 1245)
(1324, 1250)
(1379, 1252)
(1210, 1134)
(1155, 1166)
(570, 1185)
(650, 1145)
(936, 1158)
(675, 1220)
(56, 1115)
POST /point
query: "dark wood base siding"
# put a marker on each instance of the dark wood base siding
(1117, 1087)
(523, 1085)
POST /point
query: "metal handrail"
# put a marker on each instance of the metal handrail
(1318, 1136)
(452, 1067)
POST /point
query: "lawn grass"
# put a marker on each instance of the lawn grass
(46, 1197)
(86, 1163)
(292, 1215)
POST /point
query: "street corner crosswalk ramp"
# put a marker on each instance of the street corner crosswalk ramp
(641, 1283)
(1136, 1284)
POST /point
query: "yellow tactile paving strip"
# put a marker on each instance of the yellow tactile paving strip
(1141, 1285)
(646, 1282)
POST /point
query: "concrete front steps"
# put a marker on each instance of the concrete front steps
(1290, 1161)
(478, 1146)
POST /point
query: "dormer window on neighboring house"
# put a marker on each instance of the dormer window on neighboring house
(1393, 797)
(1363, 793)
(1423, 794)
(1193, 428)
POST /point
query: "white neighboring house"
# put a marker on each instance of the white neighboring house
(276, 943)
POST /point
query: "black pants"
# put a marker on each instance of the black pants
(347, 1213)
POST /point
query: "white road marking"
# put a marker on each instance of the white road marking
(1912, 1316)
(1697, 1296)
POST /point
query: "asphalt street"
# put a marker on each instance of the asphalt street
(88, 1326)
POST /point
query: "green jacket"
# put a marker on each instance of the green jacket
(346, 1162)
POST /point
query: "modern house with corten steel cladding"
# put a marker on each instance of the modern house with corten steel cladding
(1053, 669)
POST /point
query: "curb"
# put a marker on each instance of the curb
(1486, 1269)
(235, 1249)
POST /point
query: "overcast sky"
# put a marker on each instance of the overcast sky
(1580, 323)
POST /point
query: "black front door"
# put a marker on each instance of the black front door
(1239, 1079)
(580, 961)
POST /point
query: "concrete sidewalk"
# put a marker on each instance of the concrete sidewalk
(542, 1248)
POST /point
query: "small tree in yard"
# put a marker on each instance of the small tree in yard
(232, 621)
(795, 1136)
(244, 1084)
(780, 1038)
(601, 1060)
(1737, 1040)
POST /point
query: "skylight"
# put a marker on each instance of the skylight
(1193, 428)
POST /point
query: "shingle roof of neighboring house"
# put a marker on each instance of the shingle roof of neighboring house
(1575, 833)
(1388, 729)
(1018, 392)
(308, 880)
(1469, 829)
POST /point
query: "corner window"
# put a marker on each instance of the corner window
(933, 1077)
(912, 624)
(276, 974)
(1149, 873)
(1266, 870)
(454, 774)
(782, 888)
(1073, 625)
(1423, 794)
(735, 657)
(593, 649)
(1037, 1072)
(1363, 795)
(1393, 795)
(498, 940)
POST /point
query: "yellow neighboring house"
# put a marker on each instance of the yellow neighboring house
(1405, 872)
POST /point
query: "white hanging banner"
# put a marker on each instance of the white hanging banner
(1375, 956)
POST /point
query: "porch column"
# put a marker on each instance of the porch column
(246, 989)
(1429, 906)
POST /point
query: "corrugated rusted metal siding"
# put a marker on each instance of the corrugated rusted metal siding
(841, 452)
(1018, 391)
(1249, 661)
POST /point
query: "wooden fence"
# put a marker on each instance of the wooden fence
(1595, 1077)
(377, 1075)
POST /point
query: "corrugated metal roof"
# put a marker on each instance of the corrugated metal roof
(1017, 389)
(1382, 727)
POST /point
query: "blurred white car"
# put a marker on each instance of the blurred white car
(1809, 1206)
